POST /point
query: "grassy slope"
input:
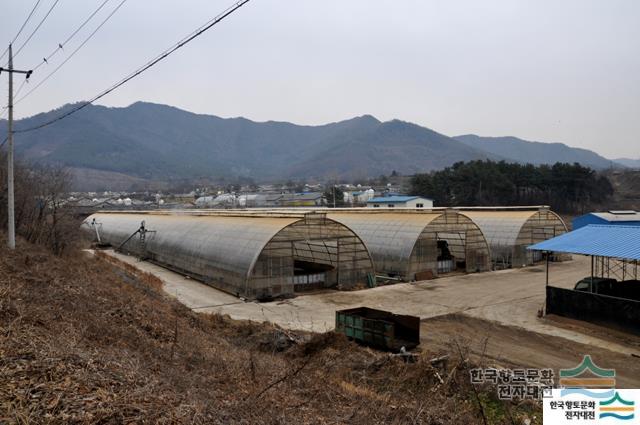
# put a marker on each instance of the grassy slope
(83, 343)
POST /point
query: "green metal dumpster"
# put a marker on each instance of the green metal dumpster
(378, 328)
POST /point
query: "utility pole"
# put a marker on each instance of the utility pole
(11, 225)
(334, 196)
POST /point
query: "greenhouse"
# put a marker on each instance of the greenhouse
(258, 256)
(510, 231)
(416, 245)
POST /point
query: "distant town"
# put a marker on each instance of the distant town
(389, 191)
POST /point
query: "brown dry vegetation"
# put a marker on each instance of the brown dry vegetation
(40, 213)
(83, 342)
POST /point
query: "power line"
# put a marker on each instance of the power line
(148, 65)
(60, 46)
(72, 53)
(20, 87)
(57, 49)
(22, 27)
(36, 29)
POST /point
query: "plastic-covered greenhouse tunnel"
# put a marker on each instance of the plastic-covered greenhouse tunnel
(251, 256)
(416, 245)
(510, 231)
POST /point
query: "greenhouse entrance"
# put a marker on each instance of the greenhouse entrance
(510, 230)
(314, 264)
(452, 251)
(416, 245)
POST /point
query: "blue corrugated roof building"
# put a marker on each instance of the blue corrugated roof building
(600, 240)
(618, 218)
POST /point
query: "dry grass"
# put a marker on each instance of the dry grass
(83, 342)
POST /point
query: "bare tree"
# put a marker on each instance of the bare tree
(40, 209)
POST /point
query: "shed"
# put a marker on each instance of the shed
(408, 243)
(612, 297)
(510, 231)
(617, 218)
(253, 256)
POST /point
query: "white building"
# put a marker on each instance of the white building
(400, 202)
(359, 196)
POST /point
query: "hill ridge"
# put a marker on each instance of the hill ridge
(159, 142)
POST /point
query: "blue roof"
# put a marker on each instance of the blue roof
(394, 199)
(595, 239)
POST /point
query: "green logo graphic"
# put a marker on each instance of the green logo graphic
(603, 378)
(623, 411)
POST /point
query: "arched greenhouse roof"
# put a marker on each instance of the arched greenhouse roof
(388, 234)
(227, 242)
(504, 227)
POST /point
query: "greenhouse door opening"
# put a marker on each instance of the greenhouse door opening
(308, 276)
(314, 264)
(539, 234)
(451, 251)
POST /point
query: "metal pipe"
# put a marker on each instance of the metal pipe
(591, 280)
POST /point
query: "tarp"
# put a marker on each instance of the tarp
(596, 308)
(600, 240)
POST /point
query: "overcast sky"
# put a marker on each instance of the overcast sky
(546, 70)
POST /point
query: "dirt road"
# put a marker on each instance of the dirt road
(508, 346)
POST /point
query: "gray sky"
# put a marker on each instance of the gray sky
(547, 70)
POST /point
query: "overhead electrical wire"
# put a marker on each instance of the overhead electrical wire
(36, 29)
(60, 46)
(22, 27)
(143, 68)
(20, 87)
(24, 24)
(72, 53)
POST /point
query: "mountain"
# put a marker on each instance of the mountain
(158, 142)
(146, 144)
(627, 162)
(537, 153)
(393, 145)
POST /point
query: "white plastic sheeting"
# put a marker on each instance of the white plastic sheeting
(509, 232)
(246, 255)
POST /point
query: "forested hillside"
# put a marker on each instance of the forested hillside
(570, 188)
(537, 153)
